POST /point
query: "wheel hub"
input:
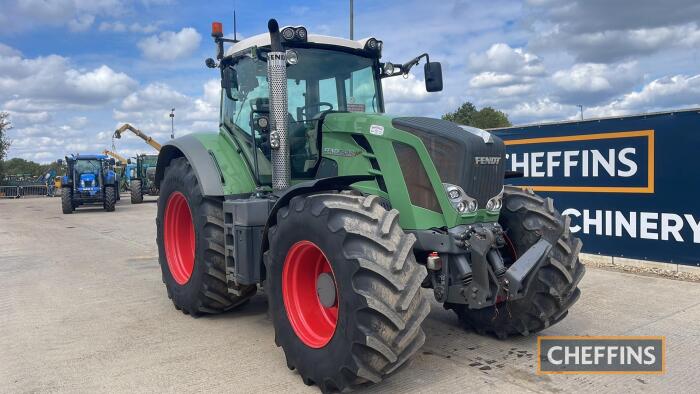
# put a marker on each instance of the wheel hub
(325, 289)
(310, 294)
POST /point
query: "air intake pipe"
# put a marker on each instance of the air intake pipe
(277, 80)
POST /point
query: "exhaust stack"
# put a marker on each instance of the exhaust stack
(277, 79)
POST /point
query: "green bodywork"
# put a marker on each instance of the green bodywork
(352, 159)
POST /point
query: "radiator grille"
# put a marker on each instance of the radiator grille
(458, 155)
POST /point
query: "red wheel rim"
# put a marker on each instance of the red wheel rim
(313, 322)
(178, 236)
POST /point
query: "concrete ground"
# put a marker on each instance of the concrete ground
(83, 309)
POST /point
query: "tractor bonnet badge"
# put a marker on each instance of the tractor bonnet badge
(492, 160)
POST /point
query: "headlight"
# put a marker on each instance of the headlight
(459, 199)
(262, 122)
(495, 203)
(292, 57)
(301, 33)
(388, 68)
(374, 45)
(288, 33)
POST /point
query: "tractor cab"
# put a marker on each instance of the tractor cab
(323, 75)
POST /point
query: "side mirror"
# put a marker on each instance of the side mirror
(433, 76)
(229, 81)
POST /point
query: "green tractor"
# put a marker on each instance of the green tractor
(343, 214)
(142, 178)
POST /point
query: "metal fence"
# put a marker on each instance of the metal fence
(9, 191)
(25, 191)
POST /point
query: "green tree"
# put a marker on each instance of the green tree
(5, 142)
(485, 118)
(19, 166)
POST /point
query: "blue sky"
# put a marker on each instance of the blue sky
(71, 71)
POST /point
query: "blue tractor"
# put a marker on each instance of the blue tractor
(89, 179)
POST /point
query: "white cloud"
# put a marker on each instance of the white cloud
(49, 82)
(541, 110)
(148, 109)
(592, 83)
(404, 90)
(503, 58)
(8, 51)
(489, 79)
(120, 27)
(152, 97)
(81, 23)
(602, 31)
(170, 45)
(77, 15)
(678, 91)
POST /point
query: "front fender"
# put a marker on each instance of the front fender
(205, 168)
(343, 182)
(110, 178)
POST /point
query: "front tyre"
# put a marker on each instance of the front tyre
(110, 198)
(552, 288)
(344, 290)
(136, 192)
(190, 237)
(67, 201)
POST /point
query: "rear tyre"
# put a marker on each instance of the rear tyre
(67, 201)
(553, 287)
(344, 293)
(136, 192)
(190, 237)
(110, 199)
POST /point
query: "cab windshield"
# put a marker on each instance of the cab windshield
(150, 161)
(322, 80)
(88, 166)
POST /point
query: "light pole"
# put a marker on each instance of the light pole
(172, 123)
(352, 20)
(581, 107)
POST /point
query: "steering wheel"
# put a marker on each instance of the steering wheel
(319, 104)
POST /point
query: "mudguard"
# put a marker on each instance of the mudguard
(206, 170)
(110, 178)
(308, 187)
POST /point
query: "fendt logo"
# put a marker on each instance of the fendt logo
(276, 56)
(488, 160)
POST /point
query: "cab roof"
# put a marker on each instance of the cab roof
(263, 39)
(89, 157)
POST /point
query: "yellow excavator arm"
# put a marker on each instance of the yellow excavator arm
(150, 141)
(116, 156)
